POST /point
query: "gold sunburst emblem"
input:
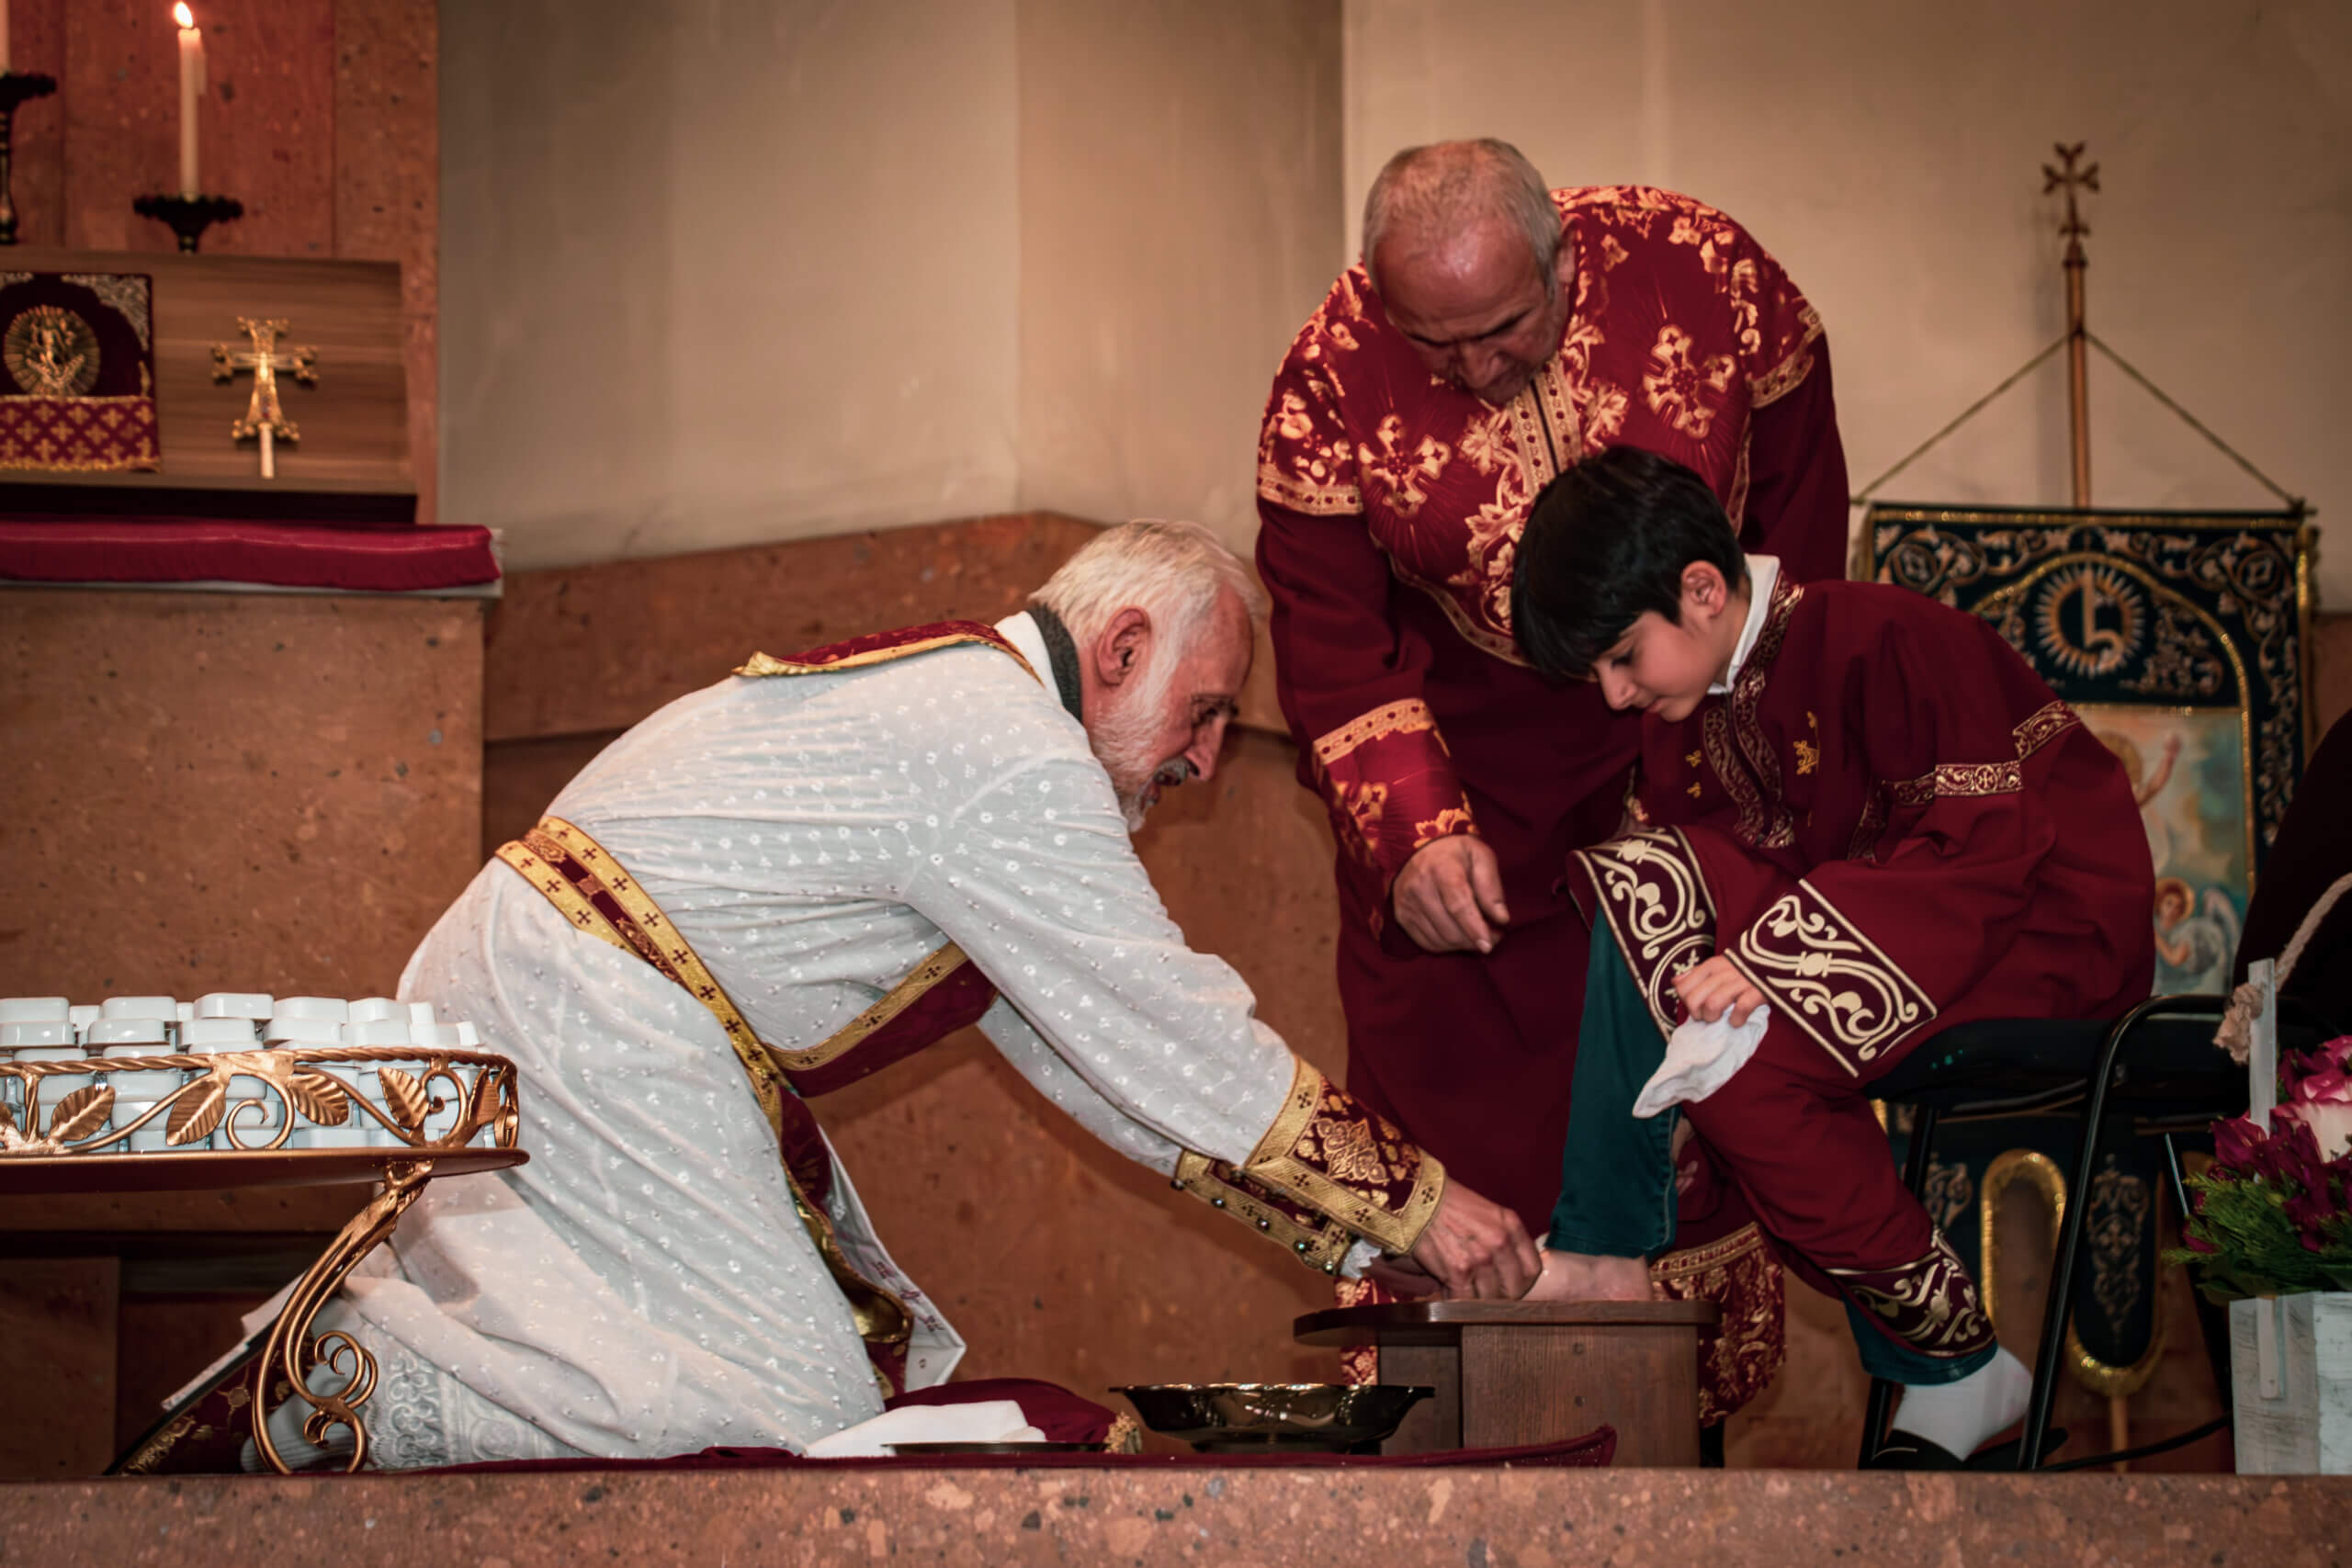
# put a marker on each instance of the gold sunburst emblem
(52, 353)
(2088, 619)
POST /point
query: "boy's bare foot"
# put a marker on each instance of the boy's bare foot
(1581, 1277)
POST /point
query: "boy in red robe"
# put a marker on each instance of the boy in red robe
(1860, 820)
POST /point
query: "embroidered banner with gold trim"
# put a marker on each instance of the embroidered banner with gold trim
(78, 394)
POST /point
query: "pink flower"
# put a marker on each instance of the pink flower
(2329, 1122)
(2237, 1143)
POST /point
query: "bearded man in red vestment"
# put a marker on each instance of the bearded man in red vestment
(1495, 334)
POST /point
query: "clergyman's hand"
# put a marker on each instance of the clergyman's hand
(1449, 897)
(1477, 1248)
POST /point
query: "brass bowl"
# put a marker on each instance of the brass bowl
(1252, 1417)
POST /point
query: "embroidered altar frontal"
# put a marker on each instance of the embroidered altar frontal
(78, 348)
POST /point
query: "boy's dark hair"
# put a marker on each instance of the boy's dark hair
(1605, 541)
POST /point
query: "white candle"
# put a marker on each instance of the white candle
(192, 89)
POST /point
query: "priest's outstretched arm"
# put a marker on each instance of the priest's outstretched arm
(1154, 1047)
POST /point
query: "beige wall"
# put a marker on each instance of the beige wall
(725, 272)
(1180, 216)
(739, 271)
(1889, 153)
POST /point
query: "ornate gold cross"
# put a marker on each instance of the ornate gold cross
(264, 417)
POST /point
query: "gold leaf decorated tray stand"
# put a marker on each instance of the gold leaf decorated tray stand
(229, 1124)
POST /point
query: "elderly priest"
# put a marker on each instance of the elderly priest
(778, 885)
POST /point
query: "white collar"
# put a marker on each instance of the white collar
(1763, 575)
(1022, 632)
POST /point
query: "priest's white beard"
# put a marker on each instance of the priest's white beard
(1125, 739)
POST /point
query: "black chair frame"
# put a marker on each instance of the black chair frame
(2097, 1092)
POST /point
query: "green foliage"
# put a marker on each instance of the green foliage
(2256, 1250)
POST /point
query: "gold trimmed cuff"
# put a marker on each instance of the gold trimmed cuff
(1332, 1152)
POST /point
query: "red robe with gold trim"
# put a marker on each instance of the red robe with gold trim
(1391, 504)
(1891, 826)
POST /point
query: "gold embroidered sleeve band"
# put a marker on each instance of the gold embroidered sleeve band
(1818, 969)
(1328, 1169)
(1389, 785)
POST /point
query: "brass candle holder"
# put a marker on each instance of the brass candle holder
(15, 87)
(188, 216)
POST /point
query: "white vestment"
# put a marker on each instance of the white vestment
(643, 1287)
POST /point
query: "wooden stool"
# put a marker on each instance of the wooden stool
(1509, 1373)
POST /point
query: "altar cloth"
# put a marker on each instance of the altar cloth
(377, 559)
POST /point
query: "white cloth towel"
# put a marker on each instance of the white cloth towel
(984, 1421)
(1700, 1059)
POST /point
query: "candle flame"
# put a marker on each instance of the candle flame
(182, 15)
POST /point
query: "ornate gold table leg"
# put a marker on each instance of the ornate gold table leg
(282, 1354)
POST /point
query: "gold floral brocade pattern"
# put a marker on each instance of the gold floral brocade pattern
(1672, 352)
(1327, 1155)
(1819, 971)
(1740, 1275)
(1408, 717)
(1929, 1303)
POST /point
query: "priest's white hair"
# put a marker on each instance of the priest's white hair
(1173, 571)
(1448, 186)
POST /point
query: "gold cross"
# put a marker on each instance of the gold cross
(2068, 178)
(264, 417)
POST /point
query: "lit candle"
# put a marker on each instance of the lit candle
(192, 89)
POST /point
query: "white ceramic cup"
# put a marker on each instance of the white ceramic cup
(140, 1007)
(375, 1009)
(333, 1009)
(35, 1010)
(136, 1092)
(46, 1032)
(233, 1004)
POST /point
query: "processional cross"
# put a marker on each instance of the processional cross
(264, 417)
(2068, 178)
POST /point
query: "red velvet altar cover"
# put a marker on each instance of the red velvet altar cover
(388, 558)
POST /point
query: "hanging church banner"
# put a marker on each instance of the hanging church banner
(2184, 641)
(77, 371)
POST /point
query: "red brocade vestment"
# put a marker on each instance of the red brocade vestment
(1890, 826)
(1391, 504)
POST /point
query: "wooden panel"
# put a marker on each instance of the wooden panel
(210, 791)
(354, 423)
(1432, 1424)
(57, 1404)
(1523, 1384)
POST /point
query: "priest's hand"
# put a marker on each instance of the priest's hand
(1715, 988)
(1477, 1249)
(1449, 897)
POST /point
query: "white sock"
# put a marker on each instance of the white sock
(1959, 1417)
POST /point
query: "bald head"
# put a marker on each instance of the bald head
(1428, 197)
(1463, 244)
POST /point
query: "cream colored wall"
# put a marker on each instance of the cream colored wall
(1180, 216)
(1889, 153)
(725, 271)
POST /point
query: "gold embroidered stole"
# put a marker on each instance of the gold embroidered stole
(581, 878)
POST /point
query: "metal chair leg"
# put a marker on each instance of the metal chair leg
(2070, 1238)
(2212, 1318)
(1916, 1167)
